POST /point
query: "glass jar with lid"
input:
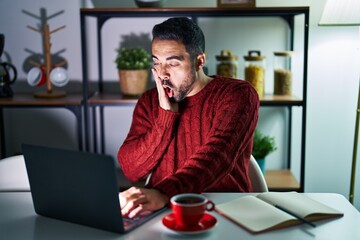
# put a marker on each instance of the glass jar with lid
(227, 66)
(255, 71)
(282, 73)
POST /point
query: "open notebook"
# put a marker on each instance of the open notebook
(78, 187)
(260, 213)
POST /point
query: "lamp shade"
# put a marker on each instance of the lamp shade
(341, 13)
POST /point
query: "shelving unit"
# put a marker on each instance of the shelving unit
(72, 102)
(280, 180)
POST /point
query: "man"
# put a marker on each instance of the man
(192, 133)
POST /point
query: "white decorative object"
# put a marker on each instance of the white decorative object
(59, 76)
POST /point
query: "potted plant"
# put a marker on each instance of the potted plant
(263, 145)
(133, 65)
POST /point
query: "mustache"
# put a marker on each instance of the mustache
(167, 83)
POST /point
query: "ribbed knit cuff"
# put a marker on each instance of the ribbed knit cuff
(166, 118)
(167, 187)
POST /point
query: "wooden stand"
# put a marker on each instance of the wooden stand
(49, 93)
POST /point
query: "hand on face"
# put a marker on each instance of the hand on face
(136, 201)
(164, 100)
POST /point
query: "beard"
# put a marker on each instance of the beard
(185, 87)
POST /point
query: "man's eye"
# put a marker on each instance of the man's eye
(174, 64)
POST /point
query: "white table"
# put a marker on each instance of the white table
(19, 221)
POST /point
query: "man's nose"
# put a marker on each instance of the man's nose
(162, 72)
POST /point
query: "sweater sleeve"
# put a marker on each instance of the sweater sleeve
(233, 126)
(148, 138)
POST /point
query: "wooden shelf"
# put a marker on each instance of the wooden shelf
(71, 101)
(111, 99)
(28, 99)
(277, 100)
(119, 99)
(281, 180)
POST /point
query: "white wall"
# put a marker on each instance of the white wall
(333, 79)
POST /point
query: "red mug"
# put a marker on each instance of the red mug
(189, 208)
(36, 76)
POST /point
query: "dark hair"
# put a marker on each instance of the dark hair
(184, 30)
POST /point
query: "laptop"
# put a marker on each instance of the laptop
(77, 187)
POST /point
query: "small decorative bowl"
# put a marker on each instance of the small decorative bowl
(150, 3)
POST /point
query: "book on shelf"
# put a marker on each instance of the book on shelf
(274, 210)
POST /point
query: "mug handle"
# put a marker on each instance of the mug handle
(10, 66)
(209, 206)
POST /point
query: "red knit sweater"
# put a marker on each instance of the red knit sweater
(205, 147)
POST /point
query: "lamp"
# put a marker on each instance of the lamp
(345, 13)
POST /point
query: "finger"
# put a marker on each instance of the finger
(158, 83)
(128, 196)
(131, 192)
(122, 200)
(136, 211)
(141, 210)
(163, 98)
(132, 204)
(155, 74)
(126, 201)
(156, 77)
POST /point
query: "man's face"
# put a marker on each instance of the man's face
(174, 67)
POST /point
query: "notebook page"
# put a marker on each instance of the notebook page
(253, 213)
(297, 203)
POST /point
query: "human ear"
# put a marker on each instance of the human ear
(200, 61)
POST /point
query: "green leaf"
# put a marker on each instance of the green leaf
(132, 58)
(263, 145)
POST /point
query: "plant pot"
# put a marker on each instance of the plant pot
(261, 163)
(133, 82)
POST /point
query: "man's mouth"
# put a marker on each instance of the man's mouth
(168, 88)
(169, 91)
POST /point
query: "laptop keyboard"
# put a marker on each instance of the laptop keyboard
(132, 222)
